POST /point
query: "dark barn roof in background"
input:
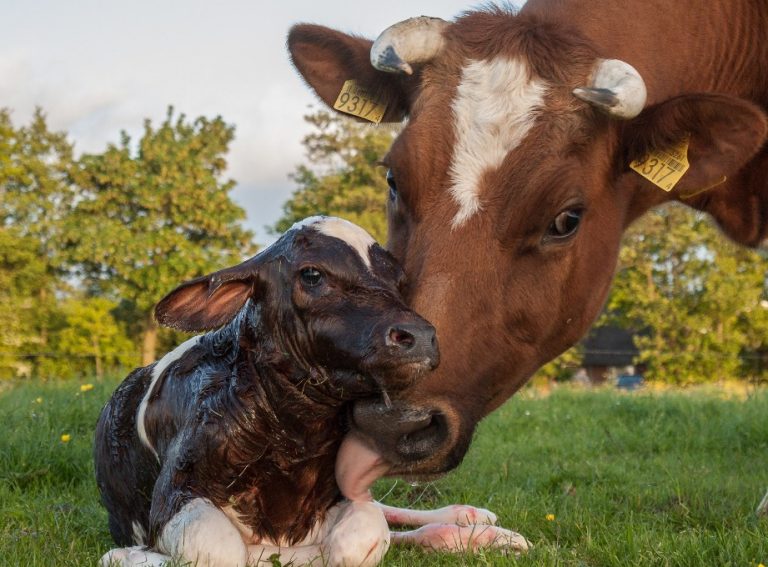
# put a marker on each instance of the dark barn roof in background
(609, 346)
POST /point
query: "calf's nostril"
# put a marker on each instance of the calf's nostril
(400, 338)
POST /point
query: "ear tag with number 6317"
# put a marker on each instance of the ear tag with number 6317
(664, 168)
(354, 100)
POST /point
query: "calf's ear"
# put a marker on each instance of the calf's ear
(210, 301)
(724, 134)
(328, 58)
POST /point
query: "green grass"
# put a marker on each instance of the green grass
(642, 479)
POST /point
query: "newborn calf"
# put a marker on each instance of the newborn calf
(222, 453)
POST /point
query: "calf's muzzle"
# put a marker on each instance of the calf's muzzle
(415, 340)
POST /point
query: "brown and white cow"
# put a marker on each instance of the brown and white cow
(510, 181)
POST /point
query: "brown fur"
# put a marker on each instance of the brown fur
(504, 298)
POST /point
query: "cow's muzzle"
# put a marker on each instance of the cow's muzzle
(414, 440)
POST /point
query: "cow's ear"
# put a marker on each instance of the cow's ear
(328, 58)
(724, 134)
(211, 301)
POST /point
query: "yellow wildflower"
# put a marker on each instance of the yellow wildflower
(66, 438)
(550, 517)
(86, 387)
(39, 400)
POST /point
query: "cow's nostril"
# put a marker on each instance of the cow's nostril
(401, 338)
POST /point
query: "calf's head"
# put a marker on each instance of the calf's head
(324, 304)
(510, 188)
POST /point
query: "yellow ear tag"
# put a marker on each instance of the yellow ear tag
(354, 100)
(664, 168)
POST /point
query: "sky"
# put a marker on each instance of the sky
(98, 67)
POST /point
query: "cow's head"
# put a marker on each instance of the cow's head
(510, 188)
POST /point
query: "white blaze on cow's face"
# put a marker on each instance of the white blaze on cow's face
(495, 107)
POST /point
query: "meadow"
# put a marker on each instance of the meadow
(589, 477)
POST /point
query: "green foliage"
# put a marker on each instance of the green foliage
(94, 339)
(23, 285)
(37, 195)
(700, 298)
(561, 368)
(88, 245)
(151, 218)
(343, 177)
(35, 199)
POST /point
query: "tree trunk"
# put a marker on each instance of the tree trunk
(97, 359)
(149, 342)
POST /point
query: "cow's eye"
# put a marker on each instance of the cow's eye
(392, 185)
(565, 224)
(311, 277)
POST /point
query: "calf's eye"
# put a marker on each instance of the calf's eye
(311, 277)
(565, 224)
(392, 185)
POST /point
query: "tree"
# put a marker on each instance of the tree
(23, 281)
(36, 196)
(698, 297)
(150, 218)
(344, 177)
(93, 338)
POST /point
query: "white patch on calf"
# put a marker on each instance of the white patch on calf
(309, 221)
(359, 535)
(494, 109)
(139, 534)
(138, 556)
(349, 232)
(157, 371)
(201, 533)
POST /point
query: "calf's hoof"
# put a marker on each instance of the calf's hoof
(137, 556)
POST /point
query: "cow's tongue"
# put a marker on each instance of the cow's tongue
(357, 468)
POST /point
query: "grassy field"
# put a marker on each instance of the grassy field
(591, 478)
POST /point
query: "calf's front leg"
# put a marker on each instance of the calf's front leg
(458, 514)
(456, 528)
(355, 534)
(200, 533)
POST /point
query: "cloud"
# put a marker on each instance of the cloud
(97, 68)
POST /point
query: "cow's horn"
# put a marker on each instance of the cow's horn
(617, 89)
(416, 40)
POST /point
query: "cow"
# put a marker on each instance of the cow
(224, 451)
(515, 175)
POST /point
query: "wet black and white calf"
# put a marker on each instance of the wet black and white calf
(223, 452)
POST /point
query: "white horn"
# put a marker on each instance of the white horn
(616, 88)
(412, 41)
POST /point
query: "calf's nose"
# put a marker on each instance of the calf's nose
(414, 340)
